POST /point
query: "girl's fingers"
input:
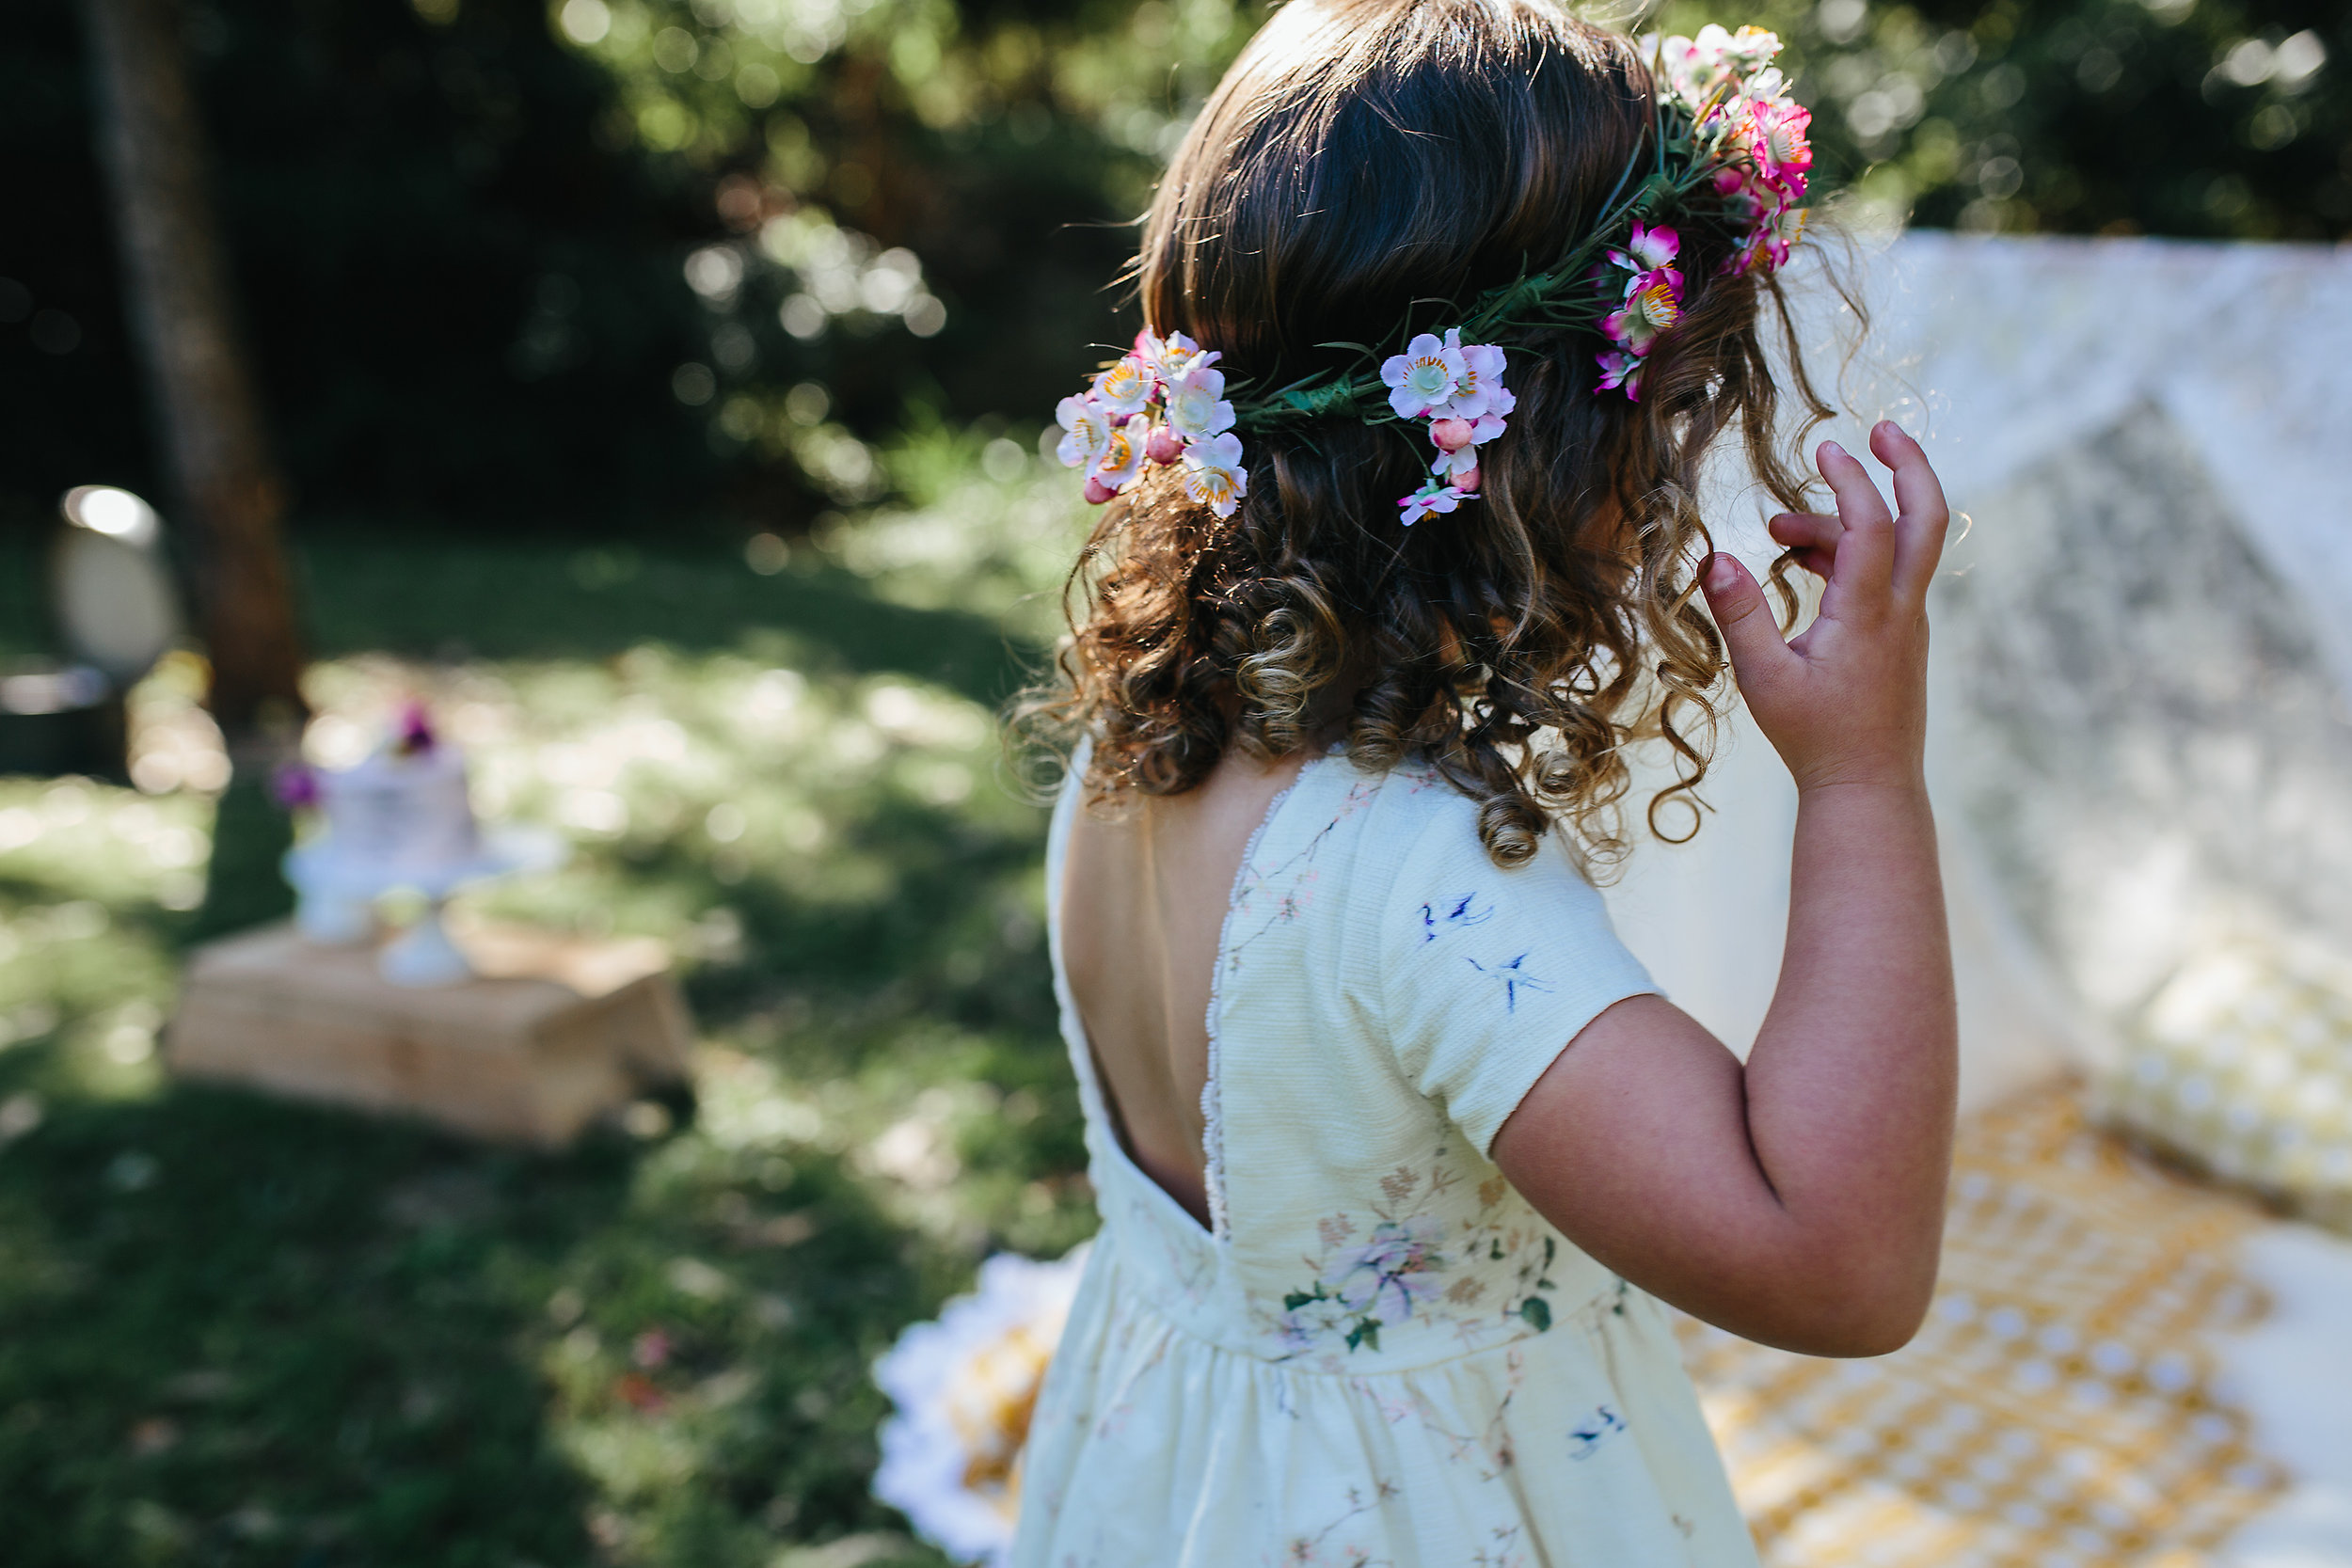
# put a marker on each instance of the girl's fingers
(1810, 539)
(1750, 634)
(1925, 516)
(1866, 550)
(1806, 530)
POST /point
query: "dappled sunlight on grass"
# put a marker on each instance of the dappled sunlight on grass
(239, 1331)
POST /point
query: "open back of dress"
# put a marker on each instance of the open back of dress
(1379, 1352)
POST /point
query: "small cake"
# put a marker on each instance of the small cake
(402, 809)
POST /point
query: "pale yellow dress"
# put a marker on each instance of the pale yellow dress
(1381, 1355)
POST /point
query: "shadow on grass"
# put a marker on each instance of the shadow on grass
(440, 598)
(239, 1331)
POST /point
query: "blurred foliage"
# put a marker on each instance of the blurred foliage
(241, 1332)
(458, 301)
(653, 265)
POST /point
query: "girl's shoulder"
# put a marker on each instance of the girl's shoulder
(1416, 824)
(1478, 974)
(1416, 870)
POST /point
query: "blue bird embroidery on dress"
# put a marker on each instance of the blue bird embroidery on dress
(1583, 1439)
(1513, 977)
(1434, 925)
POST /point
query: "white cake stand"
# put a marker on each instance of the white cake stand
(335, 897)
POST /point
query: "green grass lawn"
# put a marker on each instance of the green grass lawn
(235, 1330)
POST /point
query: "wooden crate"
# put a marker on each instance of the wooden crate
(552, 1032)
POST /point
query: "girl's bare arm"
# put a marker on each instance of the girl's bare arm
(1797, 1200)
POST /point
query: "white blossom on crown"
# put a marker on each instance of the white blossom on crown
(1086, 432)
(1162, 405)
(1126, 386)
(1195, 409)
(1214, 474)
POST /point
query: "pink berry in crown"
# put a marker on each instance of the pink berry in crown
(1450, 434)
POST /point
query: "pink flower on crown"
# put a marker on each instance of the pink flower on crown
(1621, 371)
(1743, 200)
(1653, 247)
(1656, 306)
(1086, 426)
(1424, 376)
(1170, 357)
(1195, 409)
(1430, 497)
(1125, 387)
(1715, 54)
(1709, 74)
(1769, 243)
(1214, 474)
(1122, 458)
(1778, 141)
(1452, 466)
(1457, 441)
(1478, 392)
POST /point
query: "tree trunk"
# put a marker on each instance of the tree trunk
(175, 276)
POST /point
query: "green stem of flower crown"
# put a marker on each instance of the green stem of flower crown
(1558, 298)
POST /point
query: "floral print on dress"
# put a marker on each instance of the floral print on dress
(1363, 1288)
(1313, 1551)
(1291, 882)
(1420, 1254)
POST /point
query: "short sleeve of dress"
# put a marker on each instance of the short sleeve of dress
(1488, 973)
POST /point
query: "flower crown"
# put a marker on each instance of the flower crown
(1729, 149)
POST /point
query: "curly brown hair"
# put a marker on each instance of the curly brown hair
(1366, 168)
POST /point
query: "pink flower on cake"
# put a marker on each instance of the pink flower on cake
(1479, 390)
(1214, 474)
(1430, 497)
(1126, 386)
(1086, 432)
(1424, 376)
(1195, 408)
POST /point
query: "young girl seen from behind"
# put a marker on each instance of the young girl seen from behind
(1397, 1148)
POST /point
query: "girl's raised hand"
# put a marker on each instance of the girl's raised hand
(1845, 701)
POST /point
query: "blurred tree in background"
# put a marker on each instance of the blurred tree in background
(681, 264)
